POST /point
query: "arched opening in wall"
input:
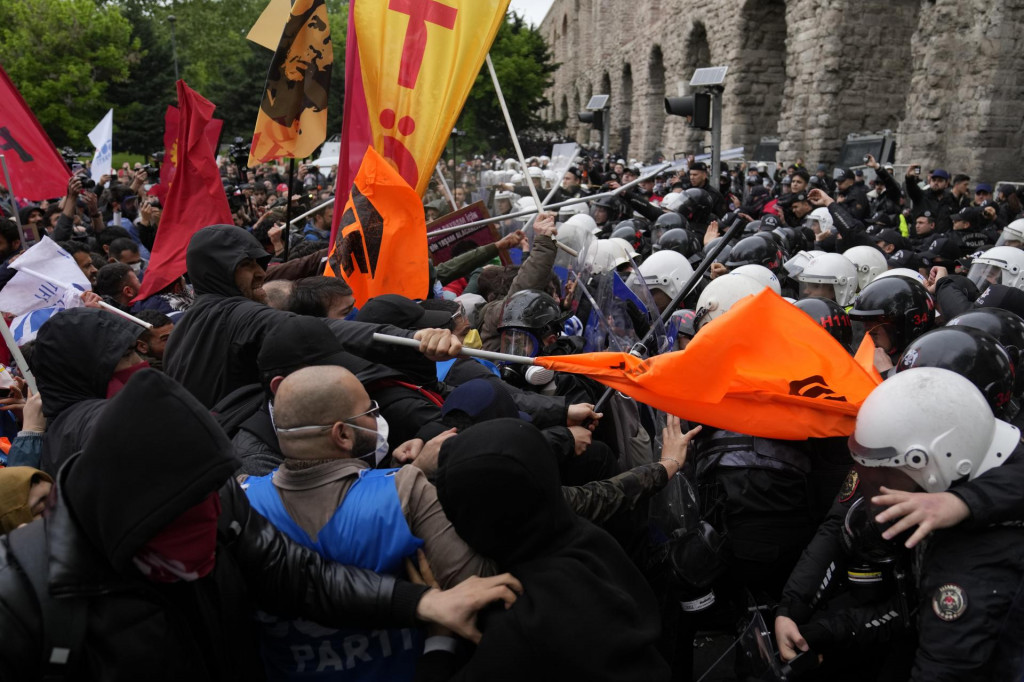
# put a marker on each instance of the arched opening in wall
(697, 55)
(612, 114)
(654, 105)
(753, 103)
(625, 118)
(576, 25)
(572, 121)
(563, 113)
(588, 136)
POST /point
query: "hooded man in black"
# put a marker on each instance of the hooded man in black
(82, 356)
(153, 548)
(586, 612)
(215, 344)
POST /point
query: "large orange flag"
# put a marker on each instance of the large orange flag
(764, 368)
(292, 120)
(409, 67)
(382, 242)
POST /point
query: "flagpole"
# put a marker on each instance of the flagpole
(18, 356)
(312, 211)
(444, 186)
(14, 204)
(512, 132)
(103, 304)
(288, 211)
(469, 352)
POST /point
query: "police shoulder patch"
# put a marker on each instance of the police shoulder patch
(949, 602)
(849, 486)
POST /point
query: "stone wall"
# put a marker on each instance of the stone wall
(946, 76)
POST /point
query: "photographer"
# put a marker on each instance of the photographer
(937, 198)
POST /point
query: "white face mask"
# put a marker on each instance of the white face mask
(381, 450)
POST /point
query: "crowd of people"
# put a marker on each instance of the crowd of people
(253, 487)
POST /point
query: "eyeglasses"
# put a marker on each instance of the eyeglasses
(314, 429)
(461, 312)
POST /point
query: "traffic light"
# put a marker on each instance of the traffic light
(696, 107)
(594, 118)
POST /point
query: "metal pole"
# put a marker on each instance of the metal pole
(512, 133)
(288, 211)
(469, 352)
(716, 137)
(569, 202)
(103, 304)
(174, 45)
(444, 187)
(14, 204)
(604, 132)
(19, 358)
(312, 211)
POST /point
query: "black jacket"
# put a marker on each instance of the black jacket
(214, 346)
(75, 356)
(125, 487)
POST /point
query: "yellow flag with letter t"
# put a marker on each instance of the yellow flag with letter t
(292, 120)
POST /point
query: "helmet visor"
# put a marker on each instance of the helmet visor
(818, 289)
(1010, 237)
(882, 333)
(519, 342)
(984, 274)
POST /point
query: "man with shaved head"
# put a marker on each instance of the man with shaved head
(327, 496)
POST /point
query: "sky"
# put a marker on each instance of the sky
(532, 10)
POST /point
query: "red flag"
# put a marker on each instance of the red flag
(37, 170)
(764, 369)
(212, 132)
(382, 243)
(196, 199)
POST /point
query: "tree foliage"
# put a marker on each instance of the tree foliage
(62, 54)
(524, 66)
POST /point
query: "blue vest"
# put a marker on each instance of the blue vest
(369, 531)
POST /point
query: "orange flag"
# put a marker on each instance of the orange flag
(865, 357)
(292, 120)
(382, 241)
(409, 67)
(764, 368)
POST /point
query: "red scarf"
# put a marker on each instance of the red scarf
(186, 548)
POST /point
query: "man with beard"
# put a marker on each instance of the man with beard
(214, 347)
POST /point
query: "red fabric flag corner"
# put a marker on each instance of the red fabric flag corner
(195, 198)
(37, 170)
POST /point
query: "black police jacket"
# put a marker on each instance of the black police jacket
(201, 630)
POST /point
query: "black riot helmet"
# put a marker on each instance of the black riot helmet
(1008, 330)
(612, 206)
(664, 223)
(902, 306)
(751, 228)
(973, 354)
(791, 239)
(831, 317)
(862, 535)
(726, 253)
(760, 249)
(696, 207)
(527, 317)
(633, 233)
(679, 240)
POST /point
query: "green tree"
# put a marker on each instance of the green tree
(524, 66)
(61, 55)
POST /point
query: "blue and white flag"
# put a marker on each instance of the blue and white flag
(102, 138)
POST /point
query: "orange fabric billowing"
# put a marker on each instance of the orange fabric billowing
(382, 240)
(865, 357)
(764, 369)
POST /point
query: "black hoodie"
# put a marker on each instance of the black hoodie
(75, 355)
(586, 612)
(117, 494)
(214, 346)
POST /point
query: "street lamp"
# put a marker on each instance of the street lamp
(174, 47)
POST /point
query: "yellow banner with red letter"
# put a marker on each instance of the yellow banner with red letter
(410, 65)
(382, 241)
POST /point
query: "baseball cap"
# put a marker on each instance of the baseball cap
(983, 187)
(841, 174)
(941, 250)
(483, 400)
(282, 187)
(904, 258)
(402, 312)
(890, 236)
(970, 214)
(770, 222)
(939, 173)
(792, 198)
(699, 165)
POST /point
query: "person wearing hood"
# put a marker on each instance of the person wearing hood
(586, 612)
(214, 347)
(82, 357)
(151, 563)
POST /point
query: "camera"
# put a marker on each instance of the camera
(152, 172)
(866, 159)
(239, 152)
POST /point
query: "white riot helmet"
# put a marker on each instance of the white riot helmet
(535, 171)
(672, 201)
(574, 235)
(721, 294)
(566, 212)
(829, 269)
(509, 164)
(999, 265)
(760, 273)
(904, 272)
(611, 253)
(869, 261)
(525, 204)
(932, 424)
(666, 271)
(585, 221)
(1013, 234)
(517, 179)
(822, 217)
(795, 265)
(626, 247)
